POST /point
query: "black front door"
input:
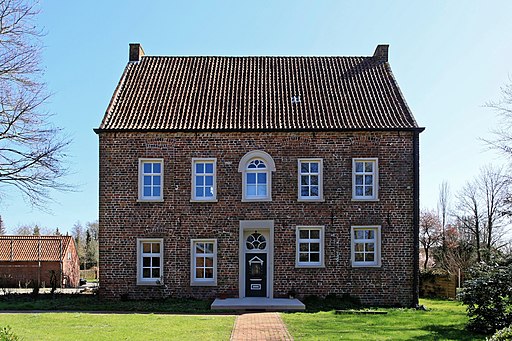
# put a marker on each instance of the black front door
(256, 275)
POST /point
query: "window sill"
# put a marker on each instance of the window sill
(366, 266)
(204, 200)
(150, 200)
(151, 284)
(300, 266)
(365, 200)
(311, 200)
(203, 284)
(256, 200)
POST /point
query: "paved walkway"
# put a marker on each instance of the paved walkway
(260, 326)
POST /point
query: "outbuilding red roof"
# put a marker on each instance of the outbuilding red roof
(33, 248)
(258, 93)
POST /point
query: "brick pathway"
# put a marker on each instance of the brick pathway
(260, 326)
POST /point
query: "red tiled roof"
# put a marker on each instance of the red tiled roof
(33, 248)
(255, 93)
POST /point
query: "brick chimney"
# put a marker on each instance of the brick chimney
(381, 53)
(136, 52)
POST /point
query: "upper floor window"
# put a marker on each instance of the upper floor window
(310, 246)
(203, 262)
(364, 179)
(151, 174)
(310, 179)
(365, 246)
(204, 182)
(256, 168)
(149, 261)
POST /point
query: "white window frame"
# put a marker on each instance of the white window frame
(320, 196)
(143, 161)
(375, 184)
(377, 247)
(213, 198)
(270, 167)
(321, 241)
(141, 254)
(202, 281)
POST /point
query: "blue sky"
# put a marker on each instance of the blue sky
(449, 58)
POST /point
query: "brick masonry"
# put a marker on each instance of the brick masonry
(20, 274)
(177, 220)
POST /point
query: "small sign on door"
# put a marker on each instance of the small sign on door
(255, 286)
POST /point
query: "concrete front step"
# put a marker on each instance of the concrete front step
(258, 303)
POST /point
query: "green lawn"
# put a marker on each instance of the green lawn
(444, 320)
(87, 326)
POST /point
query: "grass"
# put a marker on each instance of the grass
(444, 320)
(88, 326)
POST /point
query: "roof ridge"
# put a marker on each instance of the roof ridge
(256, 56)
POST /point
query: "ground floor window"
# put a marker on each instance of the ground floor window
(365, 246)
(310, 246)
(204, 262)
(149, 261)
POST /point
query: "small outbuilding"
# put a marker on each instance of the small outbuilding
(29, 260)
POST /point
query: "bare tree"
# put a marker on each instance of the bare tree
(78, 233)
(493, 185)
(31, 148)
(460, 255)
(430, 233)
(468, 215)
(442, 207)
(2, 227)
(502, 140)
(482, 205)
(503, 135)
(24, 230)
(444, 196)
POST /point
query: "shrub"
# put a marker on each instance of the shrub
(502, 334)
(6, 334)
(489, 297)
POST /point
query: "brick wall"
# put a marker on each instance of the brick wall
(177, 220)
(71, 267)
(27, 274)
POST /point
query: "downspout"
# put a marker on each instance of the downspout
(416, 218)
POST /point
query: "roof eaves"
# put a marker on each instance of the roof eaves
(245, 130)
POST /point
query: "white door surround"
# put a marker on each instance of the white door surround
(266, 228)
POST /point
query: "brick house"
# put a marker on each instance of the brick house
(259, 177)
(26, 260)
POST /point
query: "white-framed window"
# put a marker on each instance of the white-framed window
(151, 179)
(203, 265)
(310, 246)
(310, 179)
(204, 179)
(365, 179)
(150, 261)
(366, 246)
(256, 168)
